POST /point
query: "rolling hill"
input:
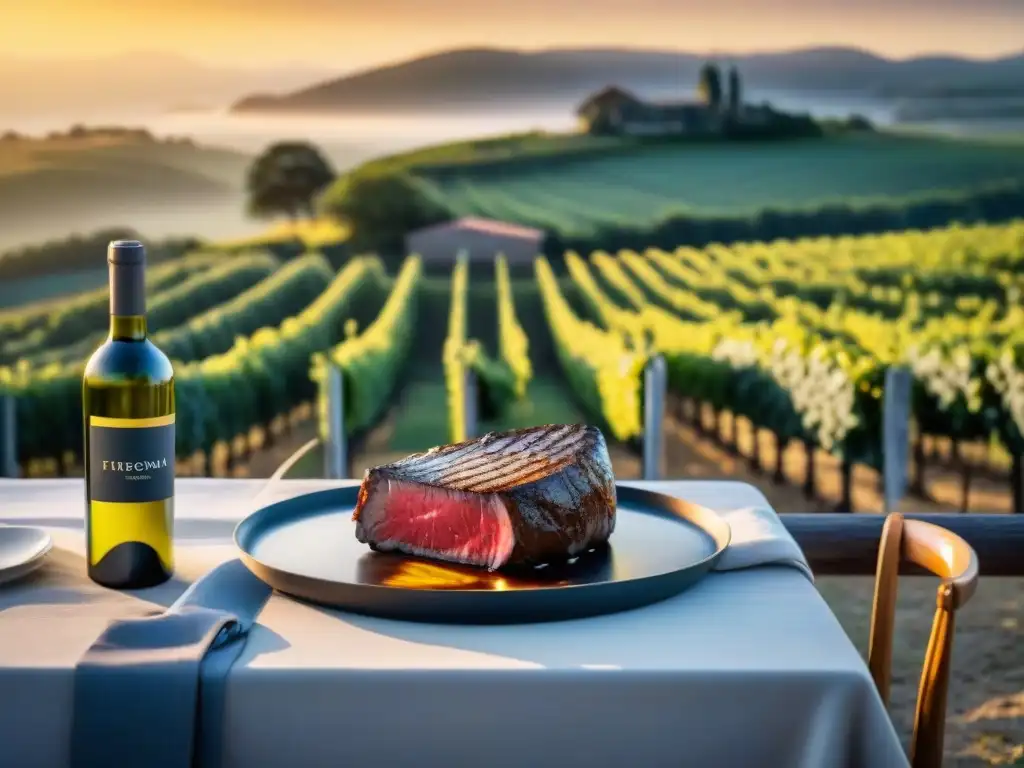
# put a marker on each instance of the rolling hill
(55, 186)
(480, 77)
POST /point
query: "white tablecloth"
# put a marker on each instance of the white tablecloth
(747, 669)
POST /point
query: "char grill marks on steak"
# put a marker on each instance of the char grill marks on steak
(524, 497)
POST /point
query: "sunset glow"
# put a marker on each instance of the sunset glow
(352, 34)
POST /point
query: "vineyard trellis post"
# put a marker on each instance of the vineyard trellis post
(846, 486)
(732, 441)
(917, 484)
(655, 380)
(810, 488)
(8, 437)
(470, 403)
(779, 475)
(754, 459)
(895, 435)
(336, 466)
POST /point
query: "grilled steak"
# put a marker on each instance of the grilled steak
(524, 497)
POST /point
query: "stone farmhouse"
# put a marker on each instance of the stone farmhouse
(616, 111)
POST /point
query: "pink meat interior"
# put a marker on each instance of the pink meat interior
(456, 526)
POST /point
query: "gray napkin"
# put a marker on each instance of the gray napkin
(760, 538)
(150, 691)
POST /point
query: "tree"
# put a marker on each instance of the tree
(710, 85)
(286, 179)
(735, 91)
(381, 208)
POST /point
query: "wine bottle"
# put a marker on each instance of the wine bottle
(128, 414)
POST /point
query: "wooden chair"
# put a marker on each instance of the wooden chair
(953, 560)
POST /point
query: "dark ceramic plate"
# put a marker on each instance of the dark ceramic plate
(306, 547)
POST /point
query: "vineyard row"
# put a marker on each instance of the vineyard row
(252, 339)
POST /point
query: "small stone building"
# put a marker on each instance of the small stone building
(616, 111)
(481, 239)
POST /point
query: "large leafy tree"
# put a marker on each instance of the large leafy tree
(381, 208)
(286, 180)
(709, 85)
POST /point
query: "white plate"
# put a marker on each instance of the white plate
(22, 550)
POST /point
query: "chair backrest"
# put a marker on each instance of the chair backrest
(949, 557)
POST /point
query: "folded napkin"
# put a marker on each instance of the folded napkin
(150, 690)
(760, 538)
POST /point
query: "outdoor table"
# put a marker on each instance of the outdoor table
(748, 668)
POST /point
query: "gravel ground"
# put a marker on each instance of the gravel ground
(985, 724)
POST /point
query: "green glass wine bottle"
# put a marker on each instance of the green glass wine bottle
(128, 414)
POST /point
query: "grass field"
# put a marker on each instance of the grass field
(650, 182)
(419, 419)
(496, 149)
(547, 401)
(314, 233)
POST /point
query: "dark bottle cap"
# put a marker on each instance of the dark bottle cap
(126, 252)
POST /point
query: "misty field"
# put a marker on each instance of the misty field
(80, 181)
(648, 183)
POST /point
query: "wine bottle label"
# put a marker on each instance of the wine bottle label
(131, 460)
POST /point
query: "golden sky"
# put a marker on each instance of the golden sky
(352, 33)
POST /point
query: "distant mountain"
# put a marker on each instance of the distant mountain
(480, 77)
(143, 80)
